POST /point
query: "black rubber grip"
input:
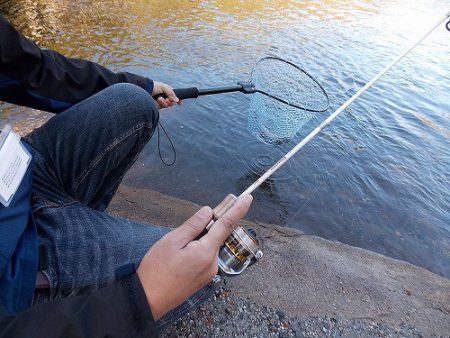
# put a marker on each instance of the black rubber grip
(182, 93)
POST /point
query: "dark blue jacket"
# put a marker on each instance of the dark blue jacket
(46, 80)
(18, 249)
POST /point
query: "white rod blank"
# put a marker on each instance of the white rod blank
(317, 130)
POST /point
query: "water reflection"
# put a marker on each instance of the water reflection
(377, 178)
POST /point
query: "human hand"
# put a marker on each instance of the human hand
(178, 265)
(171, 97)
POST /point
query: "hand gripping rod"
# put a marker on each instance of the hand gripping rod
(308, 138)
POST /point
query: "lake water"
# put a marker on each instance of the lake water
(378, 177)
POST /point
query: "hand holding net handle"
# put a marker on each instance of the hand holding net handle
(194, 92)
(181, 93)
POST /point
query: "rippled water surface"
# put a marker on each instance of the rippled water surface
(377, 178)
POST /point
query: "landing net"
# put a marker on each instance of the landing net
(287, 98)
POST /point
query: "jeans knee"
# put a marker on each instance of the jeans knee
(135, 103)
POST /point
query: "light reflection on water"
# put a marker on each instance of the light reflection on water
(377, 178)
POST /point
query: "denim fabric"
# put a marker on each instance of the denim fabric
(81, 156)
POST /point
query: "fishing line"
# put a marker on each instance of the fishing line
(324, 180)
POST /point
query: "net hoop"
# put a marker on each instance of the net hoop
(327, 105)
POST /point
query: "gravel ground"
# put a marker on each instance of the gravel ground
(225, 315)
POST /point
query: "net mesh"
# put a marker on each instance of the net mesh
(275, 122)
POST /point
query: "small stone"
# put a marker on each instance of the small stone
(283, 334)
(280, 314)
(285, 324)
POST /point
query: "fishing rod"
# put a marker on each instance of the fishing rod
(241, 248)
(327, 121)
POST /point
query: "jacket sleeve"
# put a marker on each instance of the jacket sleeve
(46, 80)
(118, 310)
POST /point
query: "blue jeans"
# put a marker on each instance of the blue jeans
(81, 156)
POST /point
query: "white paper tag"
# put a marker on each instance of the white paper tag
(14, 161)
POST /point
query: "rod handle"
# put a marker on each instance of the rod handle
(223, 206)
(219, 211)
(181, 93)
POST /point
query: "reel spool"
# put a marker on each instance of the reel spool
(241, 249)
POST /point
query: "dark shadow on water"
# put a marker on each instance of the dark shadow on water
(266, 191)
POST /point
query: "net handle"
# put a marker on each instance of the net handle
(248, 88)
(194, 92)
(347, 103)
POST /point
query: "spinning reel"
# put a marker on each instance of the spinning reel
(241, 249)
